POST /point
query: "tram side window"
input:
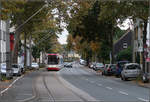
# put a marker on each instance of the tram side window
(53, 60)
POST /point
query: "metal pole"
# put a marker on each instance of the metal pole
(148, 67)
(133, 41)
(0, 35)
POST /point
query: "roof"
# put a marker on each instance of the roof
(52, 54)
(132, 64)
(122, 61)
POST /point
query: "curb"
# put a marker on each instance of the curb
(143, 85)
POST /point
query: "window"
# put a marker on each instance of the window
(133, 67)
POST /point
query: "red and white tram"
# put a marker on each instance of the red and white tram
(54, 62)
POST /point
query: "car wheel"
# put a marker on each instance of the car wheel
(102, 73)
(122, 77)
(19, 74)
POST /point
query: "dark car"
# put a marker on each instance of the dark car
(68, 65)
(119, 67)
(109, 70)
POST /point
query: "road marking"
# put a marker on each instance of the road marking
(99, 84)
(3, 91)
(143, 99)
(91, 81)
(86, 79)
(109, 88)
(124, 93)
(76, 90)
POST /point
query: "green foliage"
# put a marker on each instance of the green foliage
(118, 34)
(104, 51)
(125, 55)
(35, 52)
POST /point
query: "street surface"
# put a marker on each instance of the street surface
(77, 84)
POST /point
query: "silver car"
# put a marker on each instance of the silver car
(98, 66)
(3, 70)
(16, 70)
(131, 70)
(35, 66)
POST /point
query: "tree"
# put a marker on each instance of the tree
(125, 55)
(20, 11)
(35, 52)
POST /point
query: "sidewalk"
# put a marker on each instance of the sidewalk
(146, 85)
(5, 84)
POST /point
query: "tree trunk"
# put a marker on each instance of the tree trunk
(16, 41)
(15, 58)
(30, 41)
(112, 45)
(144, 43)
(25, 50)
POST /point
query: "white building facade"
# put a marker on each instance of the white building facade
(2, 41)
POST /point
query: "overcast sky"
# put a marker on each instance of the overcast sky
(63, 37)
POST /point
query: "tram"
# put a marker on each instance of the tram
(54, 62)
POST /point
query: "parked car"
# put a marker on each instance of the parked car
(91, 65)
(119, 67)
(131, 70)
(109, 69)
(35, 66)
(69, 64)
(22, 68)
(3, 70)
(106, 65)
(82, 62)
(16, 69)
(98, 66)
(65, 63)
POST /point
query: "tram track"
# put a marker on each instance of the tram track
(52, 99)
(50, 91)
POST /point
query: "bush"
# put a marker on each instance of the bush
(3, 78)
(125, 55)
(42, 65)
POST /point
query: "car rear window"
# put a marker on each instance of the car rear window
(34, 64)
(113, 66)
(121, 64)
(133, 67)
(15, 66)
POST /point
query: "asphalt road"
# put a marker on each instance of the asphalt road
(107, 89)
(77, 84)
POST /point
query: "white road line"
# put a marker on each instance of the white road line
(86, 79)
(91, 81)
(124, 93)
(99, 84)
(143, 99)
(3, 91)
(109, 88)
